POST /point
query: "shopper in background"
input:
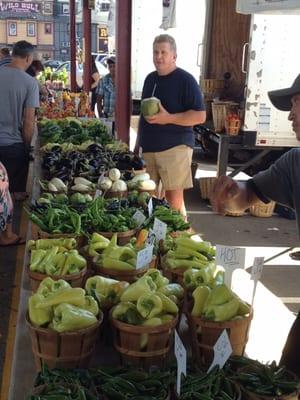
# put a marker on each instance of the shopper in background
(106, 92)
(5, 57)
(33, 70)
(167, 138)
(18, 100)
(94, 83)
(7, 236)
(280, 183)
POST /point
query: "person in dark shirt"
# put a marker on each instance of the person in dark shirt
(280, 183)
(167, 138)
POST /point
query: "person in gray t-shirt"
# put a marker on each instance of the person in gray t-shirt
(18, 100)
(281, 183)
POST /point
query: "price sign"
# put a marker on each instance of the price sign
(139, 217)
(144, 257)
(150, 207)
(230, 258)
(222, 350)
(256, 271)
(180, 354)
(159, 229)
(97, 194)
(257, 268)
(151, 237)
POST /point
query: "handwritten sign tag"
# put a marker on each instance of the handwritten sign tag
(257, 268)
(144, 257)
(150, 207)
(151, 238)
(222, 350)
(230, 258)
(159, 229)
(180, 354)
(139, 217)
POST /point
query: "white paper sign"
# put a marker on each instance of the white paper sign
(159, 229)
(144, 257)
(97, 194)
(139, 217)
(222, 350)
(180, 354)
(257, 268)
(150, 207)
(230, 258)
(256, 272)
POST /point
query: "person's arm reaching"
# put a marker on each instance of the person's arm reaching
(28, 125)
(100, 105)
(230, 195)
(187, 118)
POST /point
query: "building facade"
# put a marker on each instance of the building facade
(28, 20)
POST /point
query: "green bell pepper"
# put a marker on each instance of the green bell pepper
(68, 318)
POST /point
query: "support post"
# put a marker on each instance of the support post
(86, 18)
(73, 83)
(123, 66)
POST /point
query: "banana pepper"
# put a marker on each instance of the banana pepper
(74, 296)
(168, 305)
(68, 318)
(38, 316)
(149, 305)
(49, 286)
(223, 312)
(127, 312)
(91, 305)
(74, 263)
(172, 289)
(157, 277)
(143, 285)
(200, 295)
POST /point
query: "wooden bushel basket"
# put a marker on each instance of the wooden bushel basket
(205, 333)
(263, 210)
(232, 127)
(127, 340)
(219, 112)
(130, 275)
(37, 233)
(116, 194)
(63, 350)
(75, 280)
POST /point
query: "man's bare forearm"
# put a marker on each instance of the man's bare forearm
(28, 131)
(188, 118)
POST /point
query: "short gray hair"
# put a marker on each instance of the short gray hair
(164, 38)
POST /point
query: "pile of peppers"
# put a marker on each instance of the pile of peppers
(218, 304)
(150, 301)
(58, 306)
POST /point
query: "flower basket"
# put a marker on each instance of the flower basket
(75, 280)
(63, 350)
(204, 335)
(263, 210)
(206, 186)
(127, 339)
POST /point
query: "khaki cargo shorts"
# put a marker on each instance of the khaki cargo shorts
(172, 167)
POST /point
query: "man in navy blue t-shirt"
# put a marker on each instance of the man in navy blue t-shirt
(167, 138)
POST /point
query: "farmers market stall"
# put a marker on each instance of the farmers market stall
(111, 273)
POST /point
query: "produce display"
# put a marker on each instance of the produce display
(60, 307)
(82, 166)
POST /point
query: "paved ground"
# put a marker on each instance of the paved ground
(261, 236)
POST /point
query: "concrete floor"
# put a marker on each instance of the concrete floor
(277, 295)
